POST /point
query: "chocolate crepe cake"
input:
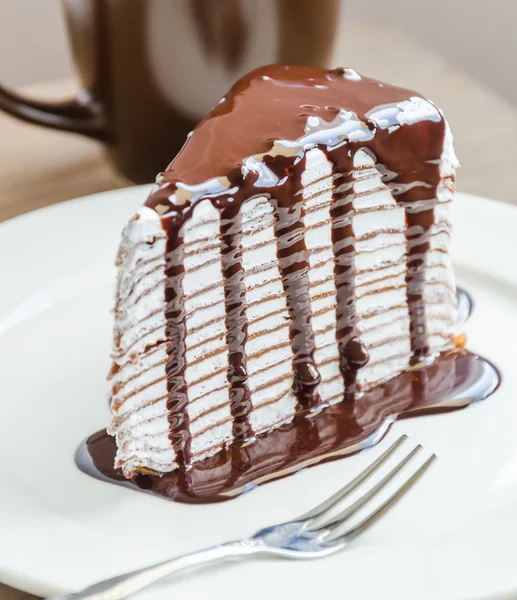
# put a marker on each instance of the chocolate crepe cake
(293, 255)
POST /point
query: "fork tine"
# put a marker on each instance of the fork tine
(350, 534)
(340, 518)
(352, 485)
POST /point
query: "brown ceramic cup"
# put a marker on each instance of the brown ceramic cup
(151, 69)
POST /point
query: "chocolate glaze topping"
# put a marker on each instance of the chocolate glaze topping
(254, 143)
(273, 103)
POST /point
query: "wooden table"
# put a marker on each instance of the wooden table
(40, 167)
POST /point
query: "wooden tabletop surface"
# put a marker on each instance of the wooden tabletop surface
(39, 167)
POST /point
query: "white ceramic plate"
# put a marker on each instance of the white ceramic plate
(453, 536)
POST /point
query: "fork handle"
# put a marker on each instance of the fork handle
(121, 586)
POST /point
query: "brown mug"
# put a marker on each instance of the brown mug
(151, 69)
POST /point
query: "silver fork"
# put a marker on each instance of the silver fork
(314, 534)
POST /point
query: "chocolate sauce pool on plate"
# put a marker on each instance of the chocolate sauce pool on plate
(453, 381)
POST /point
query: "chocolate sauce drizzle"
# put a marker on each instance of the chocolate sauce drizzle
(293, 263)
(177, 402)
(236, 322)
(418, 226)
(254, 144)
(352, 353)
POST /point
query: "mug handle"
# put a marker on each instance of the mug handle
(78, 115)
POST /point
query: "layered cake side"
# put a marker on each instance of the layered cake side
(293, 255)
